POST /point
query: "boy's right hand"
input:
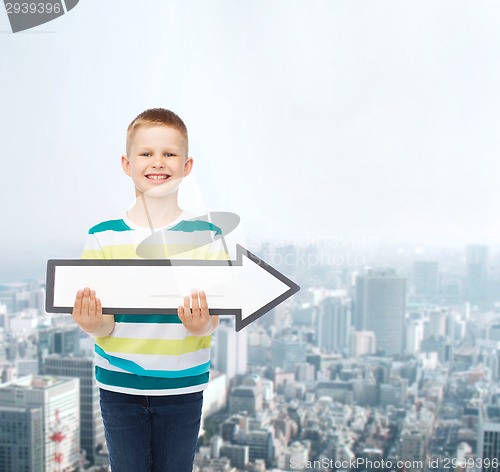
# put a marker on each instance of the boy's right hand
(87, 312)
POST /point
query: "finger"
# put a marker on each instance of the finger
(203, 300)
(98, 307)
(196, 303)
(85, 302)
(187, 307)
(180, 313)
(92, 308)
(204, 305)
(78, 304)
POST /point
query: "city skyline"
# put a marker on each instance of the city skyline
(317, 380)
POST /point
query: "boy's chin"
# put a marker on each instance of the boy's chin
(163, 190)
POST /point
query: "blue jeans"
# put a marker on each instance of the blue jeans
(151, 433)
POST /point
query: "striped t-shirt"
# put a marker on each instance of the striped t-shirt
(153, 354)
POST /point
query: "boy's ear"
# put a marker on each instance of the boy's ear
(188, 166)
(126, 164)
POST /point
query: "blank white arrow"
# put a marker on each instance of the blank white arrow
(247, 287)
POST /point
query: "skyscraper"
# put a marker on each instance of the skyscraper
(436, 323)
(91, 427)
(476, 277)
(63, 340)
(231, 349)
(59, 401)
(488, 441)
(334, 323)
(4, 317)
(413, 445)
(260, 443)
(361, 343)
(414, 336)
(380, 307)
(288, 350)
(426, 279)
(21, 439)
(238, 455)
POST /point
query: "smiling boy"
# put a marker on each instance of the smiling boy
(151, 369)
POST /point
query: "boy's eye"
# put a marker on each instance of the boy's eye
(148, 154)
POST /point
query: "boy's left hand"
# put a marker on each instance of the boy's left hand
(197, 319)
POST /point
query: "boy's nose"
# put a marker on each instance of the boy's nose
(158, 161)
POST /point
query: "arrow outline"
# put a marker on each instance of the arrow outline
(240, 323)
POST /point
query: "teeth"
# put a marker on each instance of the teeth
(157, 177)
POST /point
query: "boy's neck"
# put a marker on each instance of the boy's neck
(154, 212)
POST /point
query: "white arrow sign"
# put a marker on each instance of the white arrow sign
(246, 288)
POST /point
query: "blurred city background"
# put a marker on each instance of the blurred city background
(383, 354)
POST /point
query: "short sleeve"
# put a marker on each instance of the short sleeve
(92, 248)
(217, 251)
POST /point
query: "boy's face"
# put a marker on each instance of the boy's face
(157, 160)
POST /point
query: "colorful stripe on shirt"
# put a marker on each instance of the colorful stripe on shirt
(152, 354)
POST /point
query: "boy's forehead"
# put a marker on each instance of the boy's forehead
(158, 135)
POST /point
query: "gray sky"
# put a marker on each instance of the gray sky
(370, 118)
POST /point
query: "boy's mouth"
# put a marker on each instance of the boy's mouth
(158, 178)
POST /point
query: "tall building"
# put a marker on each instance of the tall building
(288, 350)
(259, 346)
(233, 425)
(91, 427)
(413, 447)
(476, 276)
(27, 367)
(215, 395)
(414, 336)
(303, 315)
(494, 332)
(247, 398)
(216, 443)
(231, 349)
(58, 399)
(21, 439)
(67, 340)
(436, 323)
(426, 279)
(260, 443)
(393, 393)
(57, 340)
(305, 373)
(380, 307)
(238, 455)
(334, 323)
(488, 441)
(362, 343)
(294, 456)
(4, 317)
